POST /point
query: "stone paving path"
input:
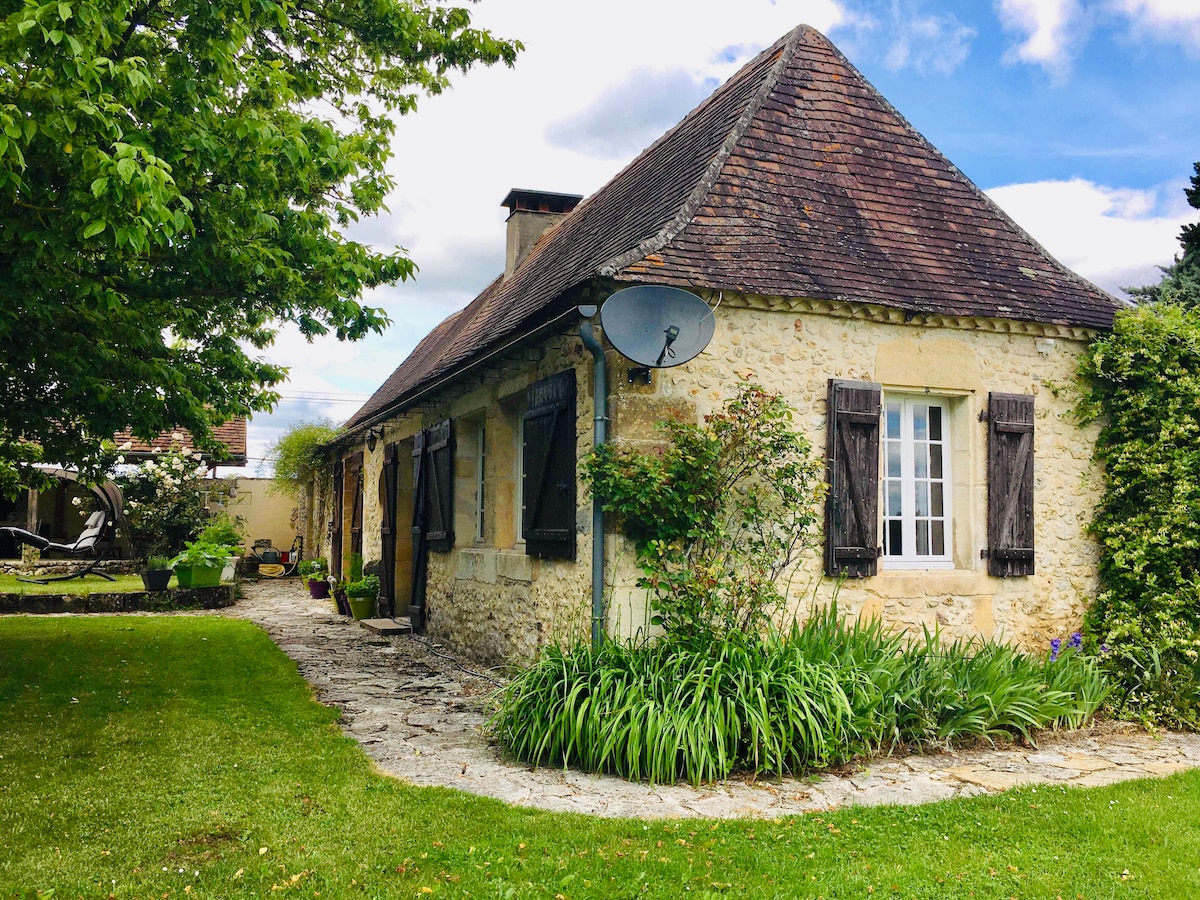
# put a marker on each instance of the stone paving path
(419, 717)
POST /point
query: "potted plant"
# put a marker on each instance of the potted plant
(338, 589)
(200, 565)
(362, 595)
(157, 574)
(315, 573)
(229, 531)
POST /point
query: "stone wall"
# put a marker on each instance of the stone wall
(795, 347)
(486, 598)
(490, 601)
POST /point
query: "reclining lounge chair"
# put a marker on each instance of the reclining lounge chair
(92, 541)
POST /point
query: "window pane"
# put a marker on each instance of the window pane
(893, 459)
(892, 503)
(939, 539)
(892, 426)
(920, 422)
(922, 538)
(922, 491)
(895, 542)
(935, 504)
(935, 460)
(935, 423)
(921, 460)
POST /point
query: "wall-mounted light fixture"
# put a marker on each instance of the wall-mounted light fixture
(373, 437)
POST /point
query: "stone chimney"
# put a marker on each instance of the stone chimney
(530, 215)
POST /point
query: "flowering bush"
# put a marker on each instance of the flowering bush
(719, 516)
(164, 504)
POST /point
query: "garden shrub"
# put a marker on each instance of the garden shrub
(1141, 382)
(718, 516)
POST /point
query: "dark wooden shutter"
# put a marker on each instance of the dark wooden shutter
(420, 554)
(335, 522)
(388, 530)
(852, 470)
(439, 446)
(1010, 485)
(354, 474)
(548, 468)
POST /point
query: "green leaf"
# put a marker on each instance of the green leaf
(94, 228)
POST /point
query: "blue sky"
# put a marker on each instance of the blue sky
(1080, 117)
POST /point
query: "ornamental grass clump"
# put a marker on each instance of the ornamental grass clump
(816, 695)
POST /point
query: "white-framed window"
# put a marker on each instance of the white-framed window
(916, 484)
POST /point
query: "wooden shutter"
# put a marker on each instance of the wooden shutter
(1010, 485)
(335, 522)
(852, 471)
(439, 446)
(548, 468)
(354, 474)
(387, 530)
(420, 554)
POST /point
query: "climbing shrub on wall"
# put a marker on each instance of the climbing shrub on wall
(718, 514)
(1141, 382)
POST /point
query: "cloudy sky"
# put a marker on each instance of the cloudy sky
(1081, 118)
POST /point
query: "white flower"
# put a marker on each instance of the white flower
(151, 465)
(126, 446)
(77, 501)
(177, 464)
(120, 460)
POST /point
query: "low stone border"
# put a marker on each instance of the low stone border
(124, 601)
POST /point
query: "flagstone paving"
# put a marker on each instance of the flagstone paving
(419, 717)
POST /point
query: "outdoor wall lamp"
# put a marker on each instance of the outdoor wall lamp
(373, 437)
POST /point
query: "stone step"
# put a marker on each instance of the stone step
(385, 627)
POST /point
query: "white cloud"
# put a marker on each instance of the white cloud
(1049, 27)
(1165, 20)
(1114, 237)
(937, 43)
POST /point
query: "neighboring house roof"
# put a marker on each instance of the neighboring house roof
(795, 179)
(232, 434)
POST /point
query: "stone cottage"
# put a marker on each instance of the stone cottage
(917, 329)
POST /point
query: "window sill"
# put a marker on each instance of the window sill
(933, 583)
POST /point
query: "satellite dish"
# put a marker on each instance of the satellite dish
(657, 326)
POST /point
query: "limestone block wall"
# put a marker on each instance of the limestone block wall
(486, 598)
(795, 347)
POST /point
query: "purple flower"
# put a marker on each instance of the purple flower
(1055, 646)
(1076, 641)
(1104, 648)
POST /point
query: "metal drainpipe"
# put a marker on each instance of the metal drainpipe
(600, 436)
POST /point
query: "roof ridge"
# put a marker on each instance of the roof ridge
(688, 210)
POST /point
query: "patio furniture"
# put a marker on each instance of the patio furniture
(95, 541)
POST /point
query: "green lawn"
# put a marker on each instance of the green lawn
(184, 757)
(88, 584)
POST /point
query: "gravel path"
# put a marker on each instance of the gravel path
(419, 717)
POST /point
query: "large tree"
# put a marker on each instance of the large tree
(1181, 280)
(175, 177)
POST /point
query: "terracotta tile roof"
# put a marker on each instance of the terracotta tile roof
(795, 179)
(232, 434)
